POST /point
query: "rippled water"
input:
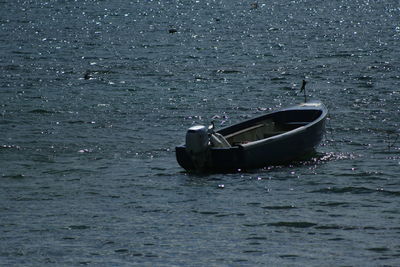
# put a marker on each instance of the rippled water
(96, 94)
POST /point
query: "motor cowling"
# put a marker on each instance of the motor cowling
(197, 145)
(197, 140)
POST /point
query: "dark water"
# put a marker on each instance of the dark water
(94, 95)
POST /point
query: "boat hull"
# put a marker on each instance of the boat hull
(279, 149)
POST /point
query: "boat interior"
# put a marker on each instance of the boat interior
(262, 130)
(268, 128)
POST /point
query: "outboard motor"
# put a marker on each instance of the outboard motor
(197, 145)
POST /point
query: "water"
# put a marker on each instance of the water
(96, 94)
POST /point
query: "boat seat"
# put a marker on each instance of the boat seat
(249, 134)
(244, 130)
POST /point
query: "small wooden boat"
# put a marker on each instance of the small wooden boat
(274, 138)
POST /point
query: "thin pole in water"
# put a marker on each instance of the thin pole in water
(303, 89)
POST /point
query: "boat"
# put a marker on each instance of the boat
(275, 138)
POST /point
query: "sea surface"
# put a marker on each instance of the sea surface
(95, 95)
